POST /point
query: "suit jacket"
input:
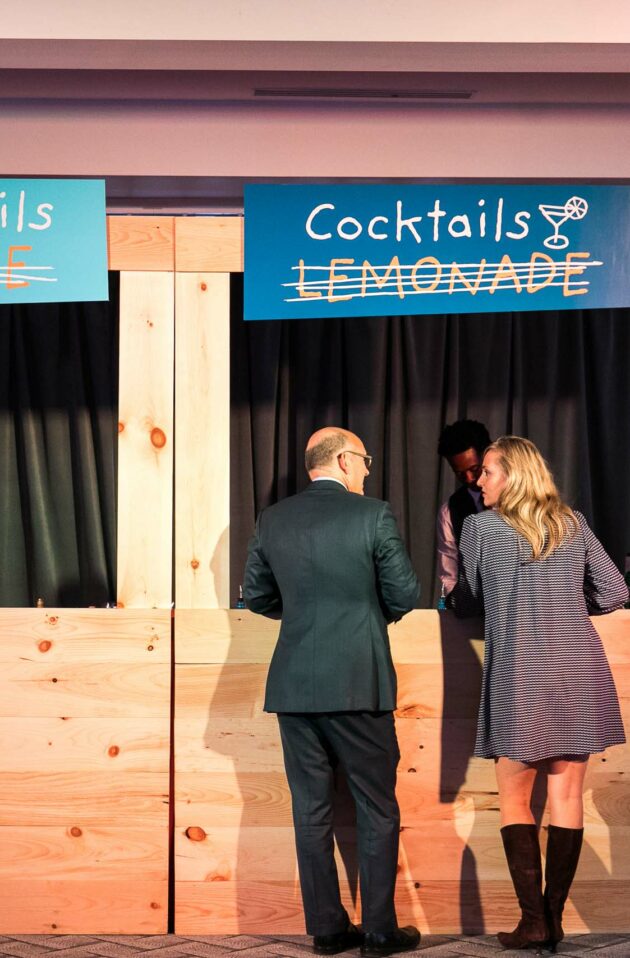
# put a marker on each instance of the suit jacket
(460, 505)
(332, 566)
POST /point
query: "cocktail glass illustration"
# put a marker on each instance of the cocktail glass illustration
(575, 208)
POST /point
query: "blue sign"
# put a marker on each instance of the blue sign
(363, 250)
(53, 241)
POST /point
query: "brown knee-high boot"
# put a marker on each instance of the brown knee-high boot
(522, 851)
(563, 853)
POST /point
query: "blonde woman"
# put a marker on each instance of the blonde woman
(548, 699)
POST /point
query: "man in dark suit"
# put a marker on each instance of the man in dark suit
(330, 563)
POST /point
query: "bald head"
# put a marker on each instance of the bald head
(323, 457)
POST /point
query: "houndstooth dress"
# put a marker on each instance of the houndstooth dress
(547, 689)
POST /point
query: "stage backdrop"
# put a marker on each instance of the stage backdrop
(559, 378)
(58, 440)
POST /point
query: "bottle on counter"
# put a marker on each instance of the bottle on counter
(241, 601)
(441, 606)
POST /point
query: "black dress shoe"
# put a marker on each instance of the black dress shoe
(340, 941)
(380, 946)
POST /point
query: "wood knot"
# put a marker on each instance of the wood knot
(120, 605)
(195, 833)
(417, 884)
(194, 563)
(54, 680)
(203, 287)
(113, 751)
(52, 619)
(158, 437)
(75, 831)
(121, 426)
(155, 905)
(44, 645)
(149, 648)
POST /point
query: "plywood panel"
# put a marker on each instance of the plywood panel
(209, 244)
(145, 446)
(140, 243)
(85, 731)
(202, 490)
(235, 859)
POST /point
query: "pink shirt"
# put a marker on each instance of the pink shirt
(447, 544)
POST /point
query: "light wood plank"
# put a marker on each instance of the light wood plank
(209, 244)
(71, 853)
(239, 689)
(203, 744)
(223, 636)
(75, 744)
(93, 797)
(141, 243)
(227, 799)
(207, 852)
(67, 690)
(436, 907)
(145, 458)
(52, 636)
(88, 907)
(202, 491)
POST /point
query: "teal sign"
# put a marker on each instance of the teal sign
(53, 241)
(363, 250)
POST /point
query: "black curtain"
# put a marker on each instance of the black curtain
(58, 432)
(559, 378)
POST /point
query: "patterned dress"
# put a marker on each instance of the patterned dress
(547, 689)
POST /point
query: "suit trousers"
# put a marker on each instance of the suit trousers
(364, 744)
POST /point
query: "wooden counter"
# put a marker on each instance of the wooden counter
(84, 837)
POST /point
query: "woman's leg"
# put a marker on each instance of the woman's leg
(564, 839)
(565, 791)
(515, 781)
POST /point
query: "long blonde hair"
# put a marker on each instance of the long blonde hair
(530, 501)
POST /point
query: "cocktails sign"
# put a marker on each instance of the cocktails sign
(365, 250)
(53, 241)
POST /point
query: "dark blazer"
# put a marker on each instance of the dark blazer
(332, 566)
(460, 505)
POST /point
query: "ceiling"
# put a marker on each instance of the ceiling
(54, 75)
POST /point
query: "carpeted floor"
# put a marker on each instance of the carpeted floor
(291, 946)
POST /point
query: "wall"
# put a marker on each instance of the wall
(67, 116)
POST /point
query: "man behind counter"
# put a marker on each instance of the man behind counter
(462, 444)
